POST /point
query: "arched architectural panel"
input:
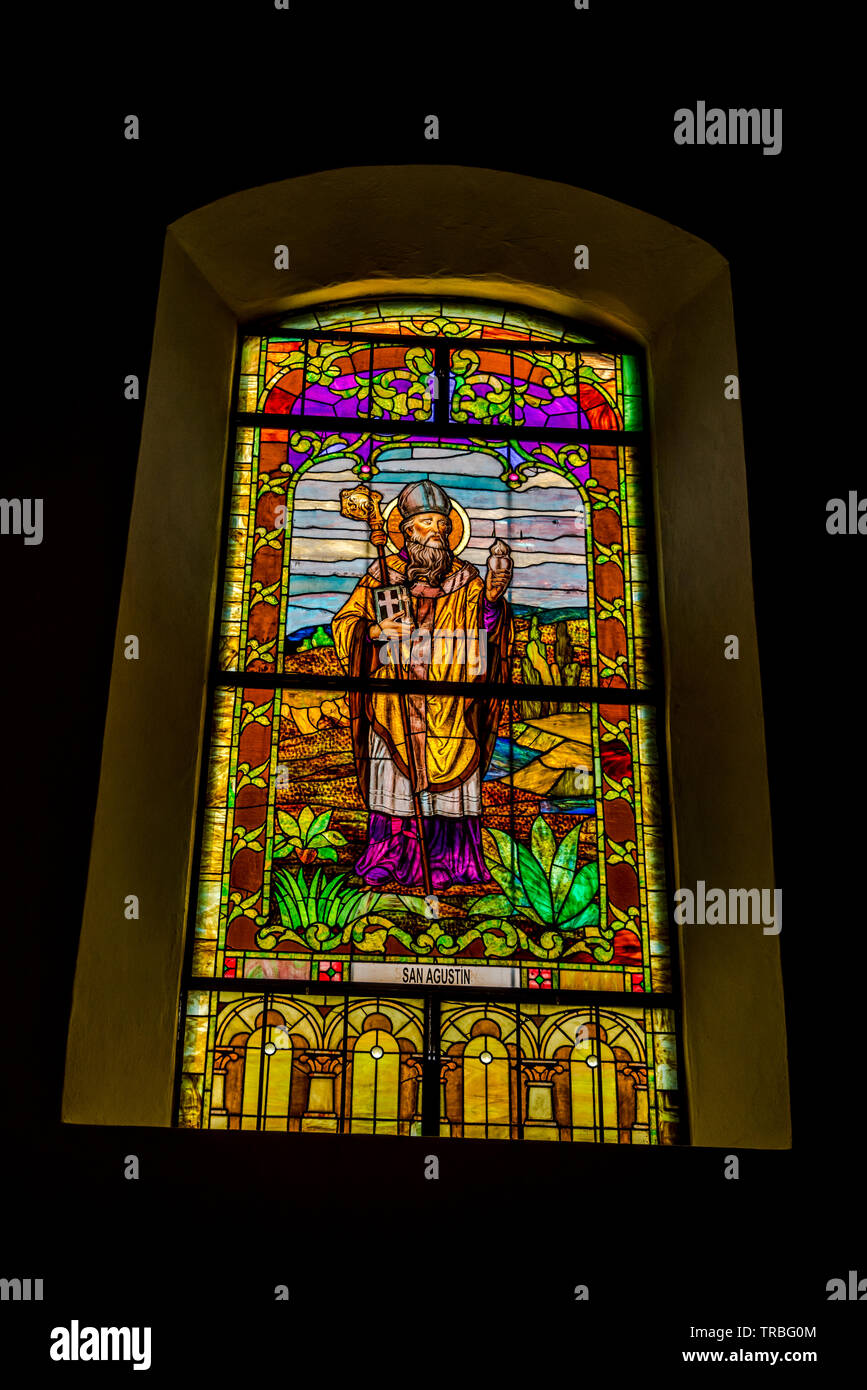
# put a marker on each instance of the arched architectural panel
(486, 1088)
(267, 1075)
(215, 277)
(376, 1078)
(593, 1077)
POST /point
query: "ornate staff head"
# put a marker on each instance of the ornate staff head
(361, 504)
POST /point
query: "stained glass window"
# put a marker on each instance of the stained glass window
(430, 883)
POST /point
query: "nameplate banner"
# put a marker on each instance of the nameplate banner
(451, 976)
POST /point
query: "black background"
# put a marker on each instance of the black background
(478, 1269)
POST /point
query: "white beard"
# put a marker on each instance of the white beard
(428, 563)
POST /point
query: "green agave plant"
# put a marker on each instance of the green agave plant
(543, 882)
(309, 836)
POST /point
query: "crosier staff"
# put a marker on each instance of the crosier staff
(362, 504)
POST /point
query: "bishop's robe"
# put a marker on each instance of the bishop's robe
(459, 636)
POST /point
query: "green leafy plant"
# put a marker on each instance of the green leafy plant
(309, 836)
(542, 882)
(324, 913)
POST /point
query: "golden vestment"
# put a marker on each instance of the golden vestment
(451, 735)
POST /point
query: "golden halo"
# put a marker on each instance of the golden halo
(459, 535)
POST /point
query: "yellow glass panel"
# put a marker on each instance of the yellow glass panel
(591, 979)
(375, 1084)
(486, 1089)
(190, 1112)
(204, 953)
(195, 1044)
(213, 841)
(208, 908)
(278, 1077)
(248, 387)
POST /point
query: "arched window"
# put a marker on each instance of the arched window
(433, 774)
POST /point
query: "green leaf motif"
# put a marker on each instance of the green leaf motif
(247, 776)
(255, 714)
(588, 917)
(241, 905)
(549, 947)
(246, 839)
(584, 888)
(289, 825)
(536, 885)
(500, 938)
(542, 843)
(563, 867)
(492, 904)
(333, 837)
(318, 824)
(501, 856)
(603, 951)
(367, 940)
(625, 853)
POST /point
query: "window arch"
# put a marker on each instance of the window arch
(475, 806)
(491, 234)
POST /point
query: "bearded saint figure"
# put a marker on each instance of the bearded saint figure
(456, 616)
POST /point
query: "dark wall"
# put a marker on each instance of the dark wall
(230, 98)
